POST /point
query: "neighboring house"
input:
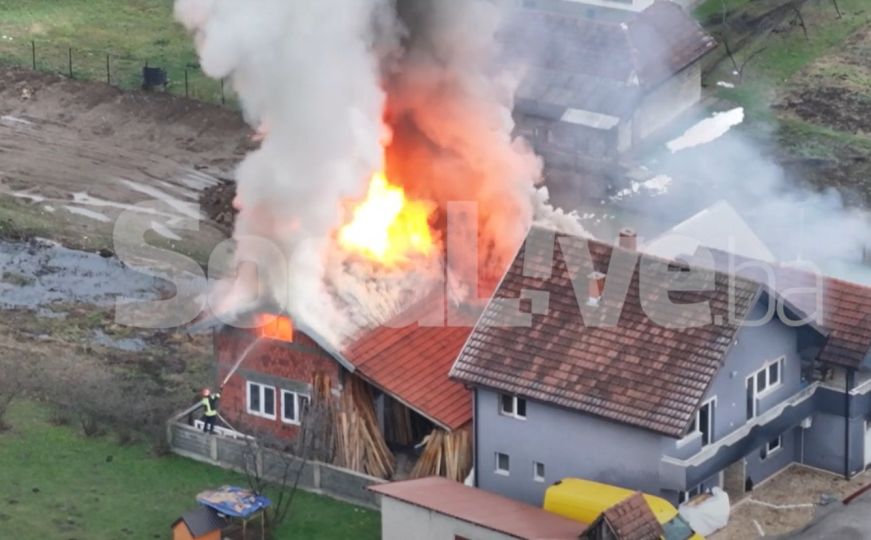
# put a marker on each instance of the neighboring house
(438, 509)
(404, 368)
(591, 89)
(666, 410)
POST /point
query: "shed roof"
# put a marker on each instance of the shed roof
(201, 521)
(631, 519)
(482, 508)
(613, 361)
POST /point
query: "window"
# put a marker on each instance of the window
(764, 380)
(510, 405)
(293, 406)
(261, 400)
(503, 464)
(771, 447)
(538, 471)
(704, 422)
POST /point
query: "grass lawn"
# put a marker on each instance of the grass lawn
(132, 32)
(55, 484)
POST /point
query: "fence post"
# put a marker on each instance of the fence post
(186, 82)
(108, 71)
(33, 51)
(71, 62)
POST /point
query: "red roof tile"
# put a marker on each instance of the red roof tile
(411, 363)
(481, 508)
(634, 370)
(630, 519)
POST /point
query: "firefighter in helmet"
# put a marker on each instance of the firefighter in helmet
(210, 408)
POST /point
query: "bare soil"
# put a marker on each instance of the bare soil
(797, 485)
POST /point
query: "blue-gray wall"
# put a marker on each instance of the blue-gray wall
(569, 444)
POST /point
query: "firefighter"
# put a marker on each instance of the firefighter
(210, 408)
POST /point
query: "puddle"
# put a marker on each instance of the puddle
(39, 273)
(121, 344)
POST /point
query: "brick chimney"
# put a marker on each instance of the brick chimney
(628, 239)
(595, 288)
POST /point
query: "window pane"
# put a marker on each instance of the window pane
(507, 404)
(751, 398)
(254, 397)
(289, 403)
(502, 461)
(268, 401)
(521, 407)
(704, 423)
(760, 381)
(774, 373)
(539, 470)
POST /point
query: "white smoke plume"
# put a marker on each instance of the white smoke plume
(331, 82)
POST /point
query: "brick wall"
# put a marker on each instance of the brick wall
(282, 365)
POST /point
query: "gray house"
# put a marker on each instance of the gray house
(572, 377)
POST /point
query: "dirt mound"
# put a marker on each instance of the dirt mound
(217, 203)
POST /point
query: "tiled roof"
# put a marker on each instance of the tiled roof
(631, 369)
(411, 362)
(843, 309)
(602, 66)
(482, 508)
(632, 519)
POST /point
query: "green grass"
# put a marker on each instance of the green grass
(132, 32)
(57, 485)
(712, 10)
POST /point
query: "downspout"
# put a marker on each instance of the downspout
(475, 436)
(848, 386)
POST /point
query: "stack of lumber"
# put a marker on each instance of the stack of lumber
(319, 419)
(447, 454)
(360, 445)
(398, 425)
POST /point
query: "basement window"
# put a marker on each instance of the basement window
(293, 406)
(771, 447)
(261, 400)
(538, 471)
(510, 405)
(503, 464)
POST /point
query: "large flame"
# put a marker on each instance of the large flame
(276, 327)
(386, 226)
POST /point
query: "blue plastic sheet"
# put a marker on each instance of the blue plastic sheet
(234, 501)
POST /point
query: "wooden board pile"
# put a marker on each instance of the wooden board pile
(399, 428)
(447, 454)
(360, 445)
(319, 420)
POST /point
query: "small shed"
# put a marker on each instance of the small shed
(435, 508)
(202, 523)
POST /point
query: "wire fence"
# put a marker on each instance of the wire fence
(120, 70)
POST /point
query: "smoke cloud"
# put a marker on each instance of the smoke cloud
(344, 88)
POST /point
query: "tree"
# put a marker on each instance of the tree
(15, 377)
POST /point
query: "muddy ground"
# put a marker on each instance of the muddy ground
(73, 157)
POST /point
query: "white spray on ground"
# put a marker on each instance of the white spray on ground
(708, 129)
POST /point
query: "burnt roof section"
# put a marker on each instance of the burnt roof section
(201, 521)
(616, 362)
(482, 508)
(630, 519)
(840, 307)
(574, 62)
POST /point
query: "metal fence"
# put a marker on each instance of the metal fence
(122, 71)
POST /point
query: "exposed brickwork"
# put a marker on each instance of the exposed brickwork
(297, 362)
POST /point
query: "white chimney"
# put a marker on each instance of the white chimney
(596, 287)
(628, 239)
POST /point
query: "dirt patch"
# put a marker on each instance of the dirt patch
(796, 485)
(835, 90)
(217, 202)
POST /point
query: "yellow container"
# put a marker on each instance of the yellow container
(585, 500)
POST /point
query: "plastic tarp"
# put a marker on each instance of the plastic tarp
(709, 515)
(233, 501)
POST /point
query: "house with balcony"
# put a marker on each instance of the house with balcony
(596, 361)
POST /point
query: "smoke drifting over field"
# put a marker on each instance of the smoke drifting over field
(345, 88)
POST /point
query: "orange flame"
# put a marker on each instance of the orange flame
(274, 327)
(386, 226)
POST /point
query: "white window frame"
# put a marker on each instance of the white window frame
(695, 431)
(769, 386)
(769, 451)
(295, 396)
(498, 469)
(262, 396)
(538, 477)
(515, 400)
